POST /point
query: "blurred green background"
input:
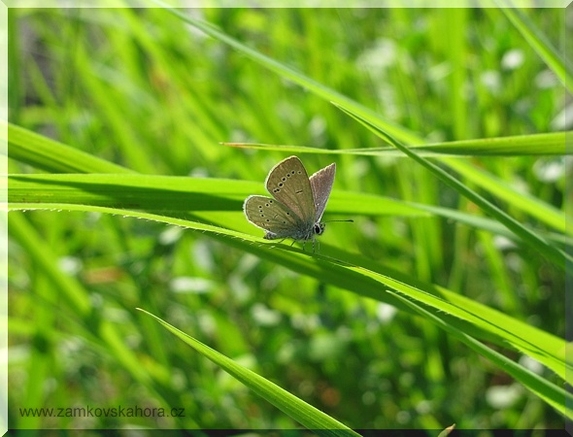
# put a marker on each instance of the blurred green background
(145, 90)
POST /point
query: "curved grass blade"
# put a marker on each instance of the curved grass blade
(544, 144)
(532, 239)
(307, 415)
(555, 396)
(366, 114)
(289, 73)
(177, 196)
(372, 280)
(558, 144)
(46, 154)
(540, 44)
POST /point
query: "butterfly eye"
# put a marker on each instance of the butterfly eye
(319, 228)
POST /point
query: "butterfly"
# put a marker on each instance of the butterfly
(298, 202)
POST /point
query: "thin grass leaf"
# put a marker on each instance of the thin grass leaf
(172, 195)
(53, 156)
(447, 431)
(540, 44)
(535, 207)
(78, 299)
(544, 144)
(558, 143)
(176, 196)
(307, 415)
(158, 95)
(494, 186)
(289, 73)
(529, 237)
(335, 271)
(555, 396)
(371, 280)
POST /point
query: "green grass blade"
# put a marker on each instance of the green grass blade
(77, 297)
(150, 91)
(304, 413)
(544, 144)
(370, 280)
(181, 195)
(554, 146)
(542, 211)
(541, 45)
(49, 155)
(529, 237)
(289, 73)
(512, 146)
(53, 156)
(555, 396)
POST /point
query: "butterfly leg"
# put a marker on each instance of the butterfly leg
(315, 243)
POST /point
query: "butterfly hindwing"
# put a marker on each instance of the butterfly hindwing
(321, 183)
(272, 216)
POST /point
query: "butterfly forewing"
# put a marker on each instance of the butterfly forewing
(271, 215)
(288, 183)
(321, 183)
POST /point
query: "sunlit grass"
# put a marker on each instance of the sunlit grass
(139, 102)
